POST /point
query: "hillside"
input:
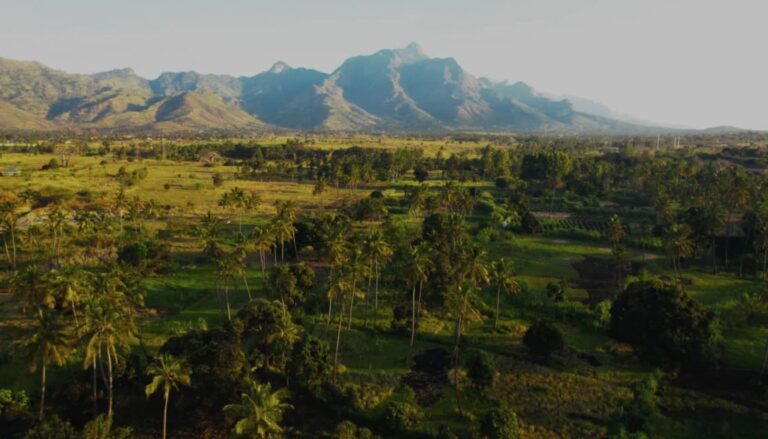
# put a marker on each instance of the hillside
(390, 90)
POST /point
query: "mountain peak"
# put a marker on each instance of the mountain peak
(412, 52)
(279, 67)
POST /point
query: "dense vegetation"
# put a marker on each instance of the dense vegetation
(490, 287)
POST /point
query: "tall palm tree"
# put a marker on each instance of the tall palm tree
(338, 249)
(30, 291)
(56, 220)
(168, 372)
(284, 223)
(503, 275)
(259, 412)
(262, 241)
(418, 265)
(379, 253)
(107, 331)
(342, 286)
(226, 271)
(461, 304)
(48, 343)
(208, 232)
(8, 227)
(679, 244)
(69, 286)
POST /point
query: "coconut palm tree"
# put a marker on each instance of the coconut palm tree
(69, 286)
(107, 331)
(48, 343)
(30, 291)
(678, 245)
(503, 275)
(168, 372)
(226, 271)
(284, 225)
(418, 265)
(208, 232)
(259, 412)
(342, 286)
(262, 241)
(379, 253)
(8, 228)
(461, 304)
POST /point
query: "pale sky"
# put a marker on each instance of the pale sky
(698, 63)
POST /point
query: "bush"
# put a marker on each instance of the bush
(428, 375)
(665, 325)
(402, 416)
(217, 179)
(499, 423)
(52, 164)
(310, 365)
(530, 224)
(481, 370)
(52, 428)
(543, 339)
(348, 430)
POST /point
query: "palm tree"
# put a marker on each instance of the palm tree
(48, 343)
(461, 305)
(240, 265)
(30, 291)
(55, 221)
(208, 231)
(262, 241)
(169, 372)
(678, 245)
(503, 275)
(226, 271)
(338, 249)
(341, 285)
(8, 226)
(286, 217)
(68, 285)
(120, 203)
(259, 412)
(379, 253)
(417, 272)
(107, 331)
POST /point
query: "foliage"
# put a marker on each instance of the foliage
(400, 417)
(665, 324)
(543, 339)
(481, 369)
(499, 423)
(310, 365)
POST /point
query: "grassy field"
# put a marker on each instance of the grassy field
(567, 397)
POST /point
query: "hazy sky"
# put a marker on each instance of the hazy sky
(693, 62)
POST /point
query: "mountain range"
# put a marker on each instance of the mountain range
(390, 90)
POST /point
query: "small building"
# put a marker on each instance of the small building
(10, 171)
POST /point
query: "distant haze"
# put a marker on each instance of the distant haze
(699, 63)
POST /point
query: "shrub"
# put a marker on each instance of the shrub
(402, 416)
(665, 324)
(499, 423)
(52, 164)
(52, 428)
(420, 174)
(310, 365)
(481, 370)
(530, 224)
(348, 430)
(428, 375)
(543, 339)
(217, 179)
